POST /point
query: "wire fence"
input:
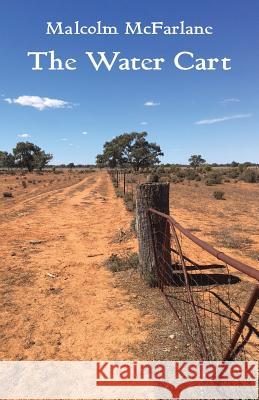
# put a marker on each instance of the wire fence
(126, 182)
(213, 296)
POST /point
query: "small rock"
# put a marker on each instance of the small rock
(50, 275)
(35, 241)
(172, 336)
(13, 254)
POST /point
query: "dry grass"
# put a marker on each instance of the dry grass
(227, 239)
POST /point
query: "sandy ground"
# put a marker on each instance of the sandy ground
(230, 224)
(57, 299)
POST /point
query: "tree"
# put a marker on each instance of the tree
(196, 161)
(129, 149)
(28, 155)
(71, 165)
(41, 159)
(115, 152)
(143, 154)
(6, 160)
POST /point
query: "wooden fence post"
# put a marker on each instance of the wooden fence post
(152, 195)
(117, 178)
(124, 183)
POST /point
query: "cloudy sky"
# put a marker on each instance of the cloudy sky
(72, 113)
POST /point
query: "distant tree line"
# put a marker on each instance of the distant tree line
(135, 151)
(233, 164)
(25, 155)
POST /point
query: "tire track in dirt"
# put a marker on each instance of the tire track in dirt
(58, 301)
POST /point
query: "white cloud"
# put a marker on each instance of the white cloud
(143, 123)
(231, 100)
(40, 103)
(64, 139)
(84, 133)
(151, 104)
(222, 119)
(70, 144)
(24, 135)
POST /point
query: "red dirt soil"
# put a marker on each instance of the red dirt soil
(58, 301)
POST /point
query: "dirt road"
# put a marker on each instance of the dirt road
(58, 301)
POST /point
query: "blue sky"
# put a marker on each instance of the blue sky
(104, 104)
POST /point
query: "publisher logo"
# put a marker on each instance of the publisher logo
(128, 380)
(183, 379)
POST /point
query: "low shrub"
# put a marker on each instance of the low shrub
(164, 179)
(133, 225)
(128, 197)
(117, 264)
(219, 195)
(249, 176)
(191, 174)
(174, 169)
(130, 206)
(180, 174)
(152, 178)
(232, 173)
(119, 192)
(230, 240)
(151, 280)
(160, 170)
(213, 178)
(7, 194)
(175, 179)
(206, 168)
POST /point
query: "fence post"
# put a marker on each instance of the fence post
(124, 183)
(117, 178)
(152, 248)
